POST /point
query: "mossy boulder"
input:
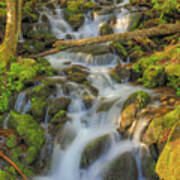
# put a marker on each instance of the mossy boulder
(131, 107)
(153, 76)
(168, 163)
(160, 128)
(106, 29)
(173, 75)
(59, 117)
(120, 73)
(76, 73)
(119, 48)
(140, 98)
(28, 129)
(58, 104)
(122, 168)
(38, 108)
(93, 151)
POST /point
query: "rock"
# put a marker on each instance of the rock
(120, 73)
(76, 73)
(160, 128)
(153, 76)
(148, 165)
(119, 49)
(123, 168)
(58, 104)
(168, 163)
(105, 29)
(140, 98)
(88, 100)
(131, 107)
(38, 108)
(29, 130)
(105, 105)
(93, 151)
(128, 116)
(134, 21)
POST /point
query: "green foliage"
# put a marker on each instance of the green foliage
(19, 72)
(166, 7)
(11, 142)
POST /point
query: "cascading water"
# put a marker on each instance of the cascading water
(89, 124)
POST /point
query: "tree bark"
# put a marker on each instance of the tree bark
(13, 27)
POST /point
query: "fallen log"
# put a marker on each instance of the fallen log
(161, 30)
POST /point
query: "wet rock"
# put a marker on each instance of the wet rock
(105, 29)
(120, 73)
(105, 105)
(58, 104)
(91, 88)
(123, 168)
(131, 107)
(76, 73)
(88, 100)
(168, 163)
(148, 163)
(93, 151)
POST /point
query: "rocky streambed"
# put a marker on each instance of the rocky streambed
(82, 114)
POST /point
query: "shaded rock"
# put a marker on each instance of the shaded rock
(105, 105)
(88, 100)
(58, 104)
(76, 73)
(120, 73)
(93, 151)
(119, 49)
(123, 168)
(105, 29)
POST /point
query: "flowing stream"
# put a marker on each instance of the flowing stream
(89, 124)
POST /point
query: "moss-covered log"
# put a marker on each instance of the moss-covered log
(161, 30)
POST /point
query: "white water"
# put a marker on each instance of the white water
(60, 28)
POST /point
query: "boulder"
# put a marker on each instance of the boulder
(93, 151)
(58, 104)
(122, 168)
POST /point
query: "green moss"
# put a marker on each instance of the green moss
(4, 175)
(16, 154)
(28, 129)
(11, 142)
(58, 116)
(169, 161)
(153, 76)
(160, 127)
(140, 98)
(31, 155)
(38, 108)
(119, 49)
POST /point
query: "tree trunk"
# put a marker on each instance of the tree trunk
(13, 27)
(161, 30)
